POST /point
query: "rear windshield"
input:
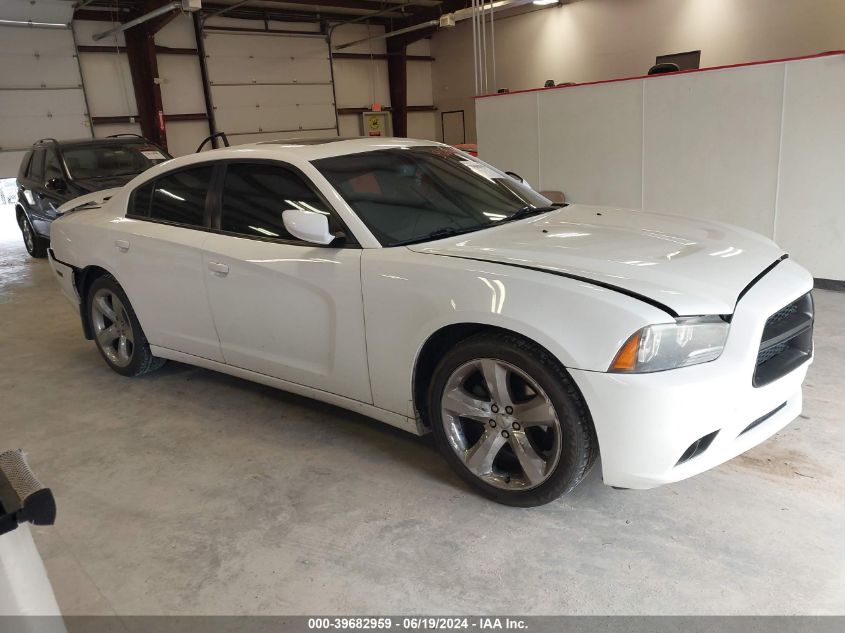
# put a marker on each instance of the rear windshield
(110, 160)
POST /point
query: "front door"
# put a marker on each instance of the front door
(284, 308)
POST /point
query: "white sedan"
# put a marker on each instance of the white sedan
(413, 283)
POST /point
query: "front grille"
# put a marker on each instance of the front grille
(787, 341)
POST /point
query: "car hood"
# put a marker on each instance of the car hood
(693, 267)
(88, 201)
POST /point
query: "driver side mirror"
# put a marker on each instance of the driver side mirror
(56, 184)
(309, 226)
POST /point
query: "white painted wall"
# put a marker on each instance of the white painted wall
(591, 40)
(757, 146)
(107, 79)
(181, 86)
(41, 92)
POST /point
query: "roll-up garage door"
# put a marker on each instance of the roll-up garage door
(270, 85)
(41, 93)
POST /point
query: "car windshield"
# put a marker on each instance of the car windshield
(415, 194)
(110, 160)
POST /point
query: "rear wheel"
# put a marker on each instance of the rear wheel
(117, 332)
(510, 421)
(35, 244)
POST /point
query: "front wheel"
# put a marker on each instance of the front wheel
(117, 331)
(510, 421)
(36, 245)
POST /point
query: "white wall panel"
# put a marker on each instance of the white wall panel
(183, 137)
(423, 125)
(241, 139)
(235, 58)
(811, 201)
(360, 83)
(759, 146)
(108, 84)
(419, 83)
(257, 108)
(711, 144)
(354, 32)
(37, 57)
(178, 33)
(181, 84)
(349, 124)
(508, 134)
(591, 143)
(263, 83)
(28, 117)
(41, 92)
(55, 11)
(103, 130)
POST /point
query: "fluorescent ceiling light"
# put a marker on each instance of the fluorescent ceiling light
(541, 3)
(30, 23)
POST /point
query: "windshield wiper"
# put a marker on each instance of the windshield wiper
(529, 210)
(436, 234)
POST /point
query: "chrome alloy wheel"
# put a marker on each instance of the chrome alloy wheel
(112, 327)
(501, 424)
(28, 237)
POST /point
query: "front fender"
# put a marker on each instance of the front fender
(409, 296)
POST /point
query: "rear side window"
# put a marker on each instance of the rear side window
(52, 169)
(255, 195)
(180, 197)
(139, 204)
(36, 167)
(25, 163)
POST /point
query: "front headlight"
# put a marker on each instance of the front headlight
(688, 341)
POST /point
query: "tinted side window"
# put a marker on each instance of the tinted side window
(52, 169)
(139, 204)
(25, 163)
(180, 197)
(36, 168)
(255, 195)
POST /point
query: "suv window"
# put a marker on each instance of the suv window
(107, 160)
(180, 197)
(36, 167)
(256, 194)
(52, 169)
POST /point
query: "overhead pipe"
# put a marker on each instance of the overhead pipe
(167, 8)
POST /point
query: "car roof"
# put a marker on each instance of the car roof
(78, 142)
(313, 149)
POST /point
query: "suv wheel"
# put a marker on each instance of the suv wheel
(35, 244)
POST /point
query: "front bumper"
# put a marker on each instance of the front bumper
(647, 423)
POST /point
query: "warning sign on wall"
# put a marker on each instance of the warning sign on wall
(375, 123)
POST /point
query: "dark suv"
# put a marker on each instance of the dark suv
(54, 172)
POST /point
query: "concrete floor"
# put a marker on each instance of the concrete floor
(190, 492)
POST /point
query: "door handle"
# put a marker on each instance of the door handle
(219, 269)
(121, 245)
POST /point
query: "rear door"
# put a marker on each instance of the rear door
(282, 307)
(159, 252)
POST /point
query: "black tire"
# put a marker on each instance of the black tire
(35, 245)
(141, 359)
(577, 447)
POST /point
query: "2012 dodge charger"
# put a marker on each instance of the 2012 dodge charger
(418, 285)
